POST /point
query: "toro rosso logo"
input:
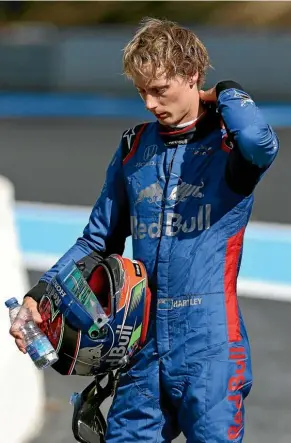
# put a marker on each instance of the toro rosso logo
(154, 193)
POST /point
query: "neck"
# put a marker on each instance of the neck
(197, 109)
(194, 113)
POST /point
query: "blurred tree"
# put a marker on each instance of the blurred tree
(13, 10)
(244, 14)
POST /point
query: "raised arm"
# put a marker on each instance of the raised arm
(254, 143)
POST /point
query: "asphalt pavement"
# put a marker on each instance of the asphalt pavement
(64, 161)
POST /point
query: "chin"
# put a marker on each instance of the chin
(166, 120)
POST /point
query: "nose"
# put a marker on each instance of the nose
(150, 102)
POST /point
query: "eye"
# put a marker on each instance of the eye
(160, 91)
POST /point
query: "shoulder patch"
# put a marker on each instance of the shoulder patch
(130, 139)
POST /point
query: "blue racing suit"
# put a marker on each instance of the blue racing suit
(185, 196)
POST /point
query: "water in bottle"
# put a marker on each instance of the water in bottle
(37, 344)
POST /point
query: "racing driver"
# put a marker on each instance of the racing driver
(182, 187)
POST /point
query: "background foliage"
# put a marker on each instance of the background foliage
(82, 13)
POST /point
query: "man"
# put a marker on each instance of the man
(183, 187)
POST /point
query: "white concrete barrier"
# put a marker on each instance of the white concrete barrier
(22, 393)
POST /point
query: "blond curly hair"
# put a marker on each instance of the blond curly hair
(164, 47)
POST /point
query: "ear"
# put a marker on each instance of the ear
(193, 79)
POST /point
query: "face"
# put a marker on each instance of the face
(172, 101)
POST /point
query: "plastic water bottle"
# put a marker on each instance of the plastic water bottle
(37, 344)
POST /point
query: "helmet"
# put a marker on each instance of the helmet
(96, 323)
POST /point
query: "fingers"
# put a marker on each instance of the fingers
(15, 329)
(209, 95)
(36, 316)
(31, 304)
(15, 332)
(18, 339)
(21, 346)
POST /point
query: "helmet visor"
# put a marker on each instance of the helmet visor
(75, 299)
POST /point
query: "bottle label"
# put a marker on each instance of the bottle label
(39, 348)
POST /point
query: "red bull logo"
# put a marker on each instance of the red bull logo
(174, 224)
(152, 193)
(181, 192)
(184, 190)
(116, 353)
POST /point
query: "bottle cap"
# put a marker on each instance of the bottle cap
(11, 301)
